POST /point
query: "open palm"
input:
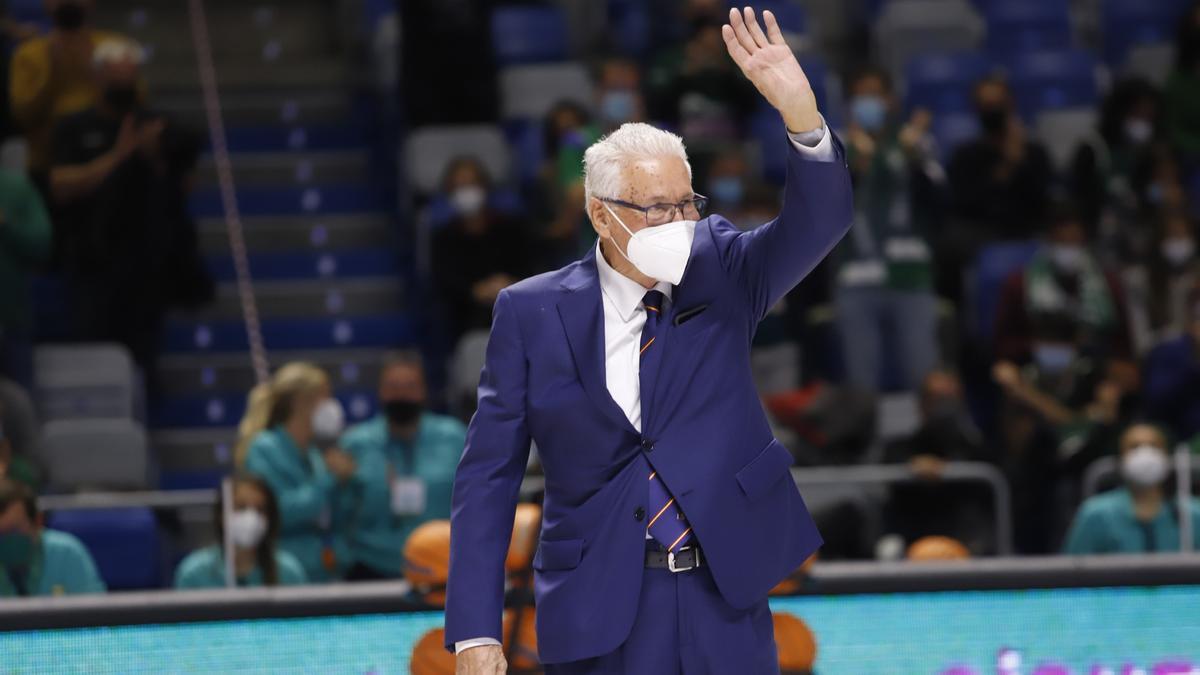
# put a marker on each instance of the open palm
(768, 62)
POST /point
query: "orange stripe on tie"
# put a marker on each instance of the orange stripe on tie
(652, 309)
(676, 542)
(653, 474)
(645, 346)
(660, 512)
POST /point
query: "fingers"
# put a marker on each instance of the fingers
(736, 50)
(756, 32)
(741, 32)
(773, 31)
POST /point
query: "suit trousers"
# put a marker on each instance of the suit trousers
(684, 627)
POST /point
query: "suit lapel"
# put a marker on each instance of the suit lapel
(582, 316)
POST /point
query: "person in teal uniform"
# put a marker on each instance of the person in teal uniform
(254, 529)
(406, 460)
(1139, 517)
(34, 560)
(288, 438)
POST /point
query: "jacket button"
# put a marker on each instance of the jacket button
(647, 444)
(639, 514)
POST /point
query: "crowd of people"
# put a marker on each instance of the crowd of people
(1092, 348)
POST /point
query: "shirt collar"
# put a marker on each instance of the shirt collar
(624, 293)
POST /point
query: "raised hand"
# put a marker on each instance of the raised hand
(767, 61)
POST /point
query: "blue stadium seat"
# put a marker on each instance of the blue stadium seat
(529, 34)
(1016, 26)
(298, 200)
(311, 265)
(192, 479)
(226, 409)
(629, 26)
(943, 82)
(384, 332)
(526, 140)
(1126, 24)
(952, 130)
(124, 543)
(1052, 80)
(993, 265)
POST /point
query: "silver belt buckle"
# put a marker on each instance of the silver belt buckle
(671, 561)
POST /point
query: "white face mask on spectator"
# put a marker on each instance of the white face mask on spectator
(468, 200)
(1067, 257)
(328, 420)
(247, 527)
(660, 252)
(1145, 466)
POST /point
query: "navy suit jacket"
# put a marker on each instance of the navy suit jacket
(704, 432)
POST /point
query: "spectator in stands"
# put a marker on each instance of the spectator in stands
(1066, 284)
(254, 528)
(288, 438)
(25, 237)
(1000, 182)
(406, 459)
(698, 89)
(14, 465)
(946, 434)
(1110, 172)
(619, 93)
(119, 179)
(1158, 288)
(884, 280)
(478, 253)
(35, 560)
(567, 132)
(1172, 381)
(1183, 89)
(51, 77)
(1141, 516)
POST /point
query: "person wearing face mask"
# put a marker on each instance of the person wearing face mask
(928, 506)
(1182, 96)
(669, 512)
(1000, 182)
(1064, 281)
(35, 560)
(288, 437)
(119, 178)
(479, 252)
(1109, 173)
(1141, 516)
(254, 529)
(883, 296)
(50, 78)
(1159, 287)
(406, 458)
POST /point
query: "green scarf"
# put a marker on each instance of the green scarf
(1044, 296)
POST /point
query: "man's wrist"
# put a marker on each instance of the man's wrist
(805, 118)
(463, 645)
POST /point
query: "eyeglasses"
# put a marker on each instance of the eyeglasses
(692, 208)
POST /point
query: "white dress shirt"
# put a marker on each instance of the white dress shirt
(625, 317)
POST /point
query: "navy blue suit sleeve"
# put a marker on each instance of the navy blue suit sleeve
(818, 208)
(487, 484)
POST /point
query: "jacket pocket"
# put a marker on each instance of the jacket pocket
(558, 555)
(762, 472)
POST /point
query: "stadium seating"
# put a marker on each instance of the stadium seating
(1053, 80)
(529, 34)
(992, 267)
(942, 82)
(429, 151)
(1061, 131)
(95, 453)
(1015, 26)
(905, 29)
(124, 543)
(85, 381)
(528, 92)
(1128, 24)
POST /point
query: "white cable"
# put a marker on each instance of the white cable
(233, 219)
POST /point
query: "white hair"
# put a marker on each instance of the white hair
(605, 159)
(117, 51)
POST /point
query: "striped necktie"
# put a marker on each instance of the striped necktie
(667, 524)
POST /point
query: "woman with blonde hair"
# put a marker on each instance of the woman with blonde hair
(288, 438)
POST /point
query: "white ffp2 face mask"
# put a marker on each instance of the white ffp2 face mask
(247, 527)
(660, 252)
(328, 420)
(1145, 466)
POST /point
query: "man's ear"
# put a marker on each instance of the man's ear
(599, 217)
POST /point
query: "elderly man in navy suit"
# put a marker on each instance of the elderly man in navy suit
(669, 511)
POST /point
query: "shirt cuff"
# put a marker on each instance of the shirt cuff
(463, 645)
(815, 145)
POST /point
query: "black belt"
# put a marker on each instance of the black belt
(685, 559)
